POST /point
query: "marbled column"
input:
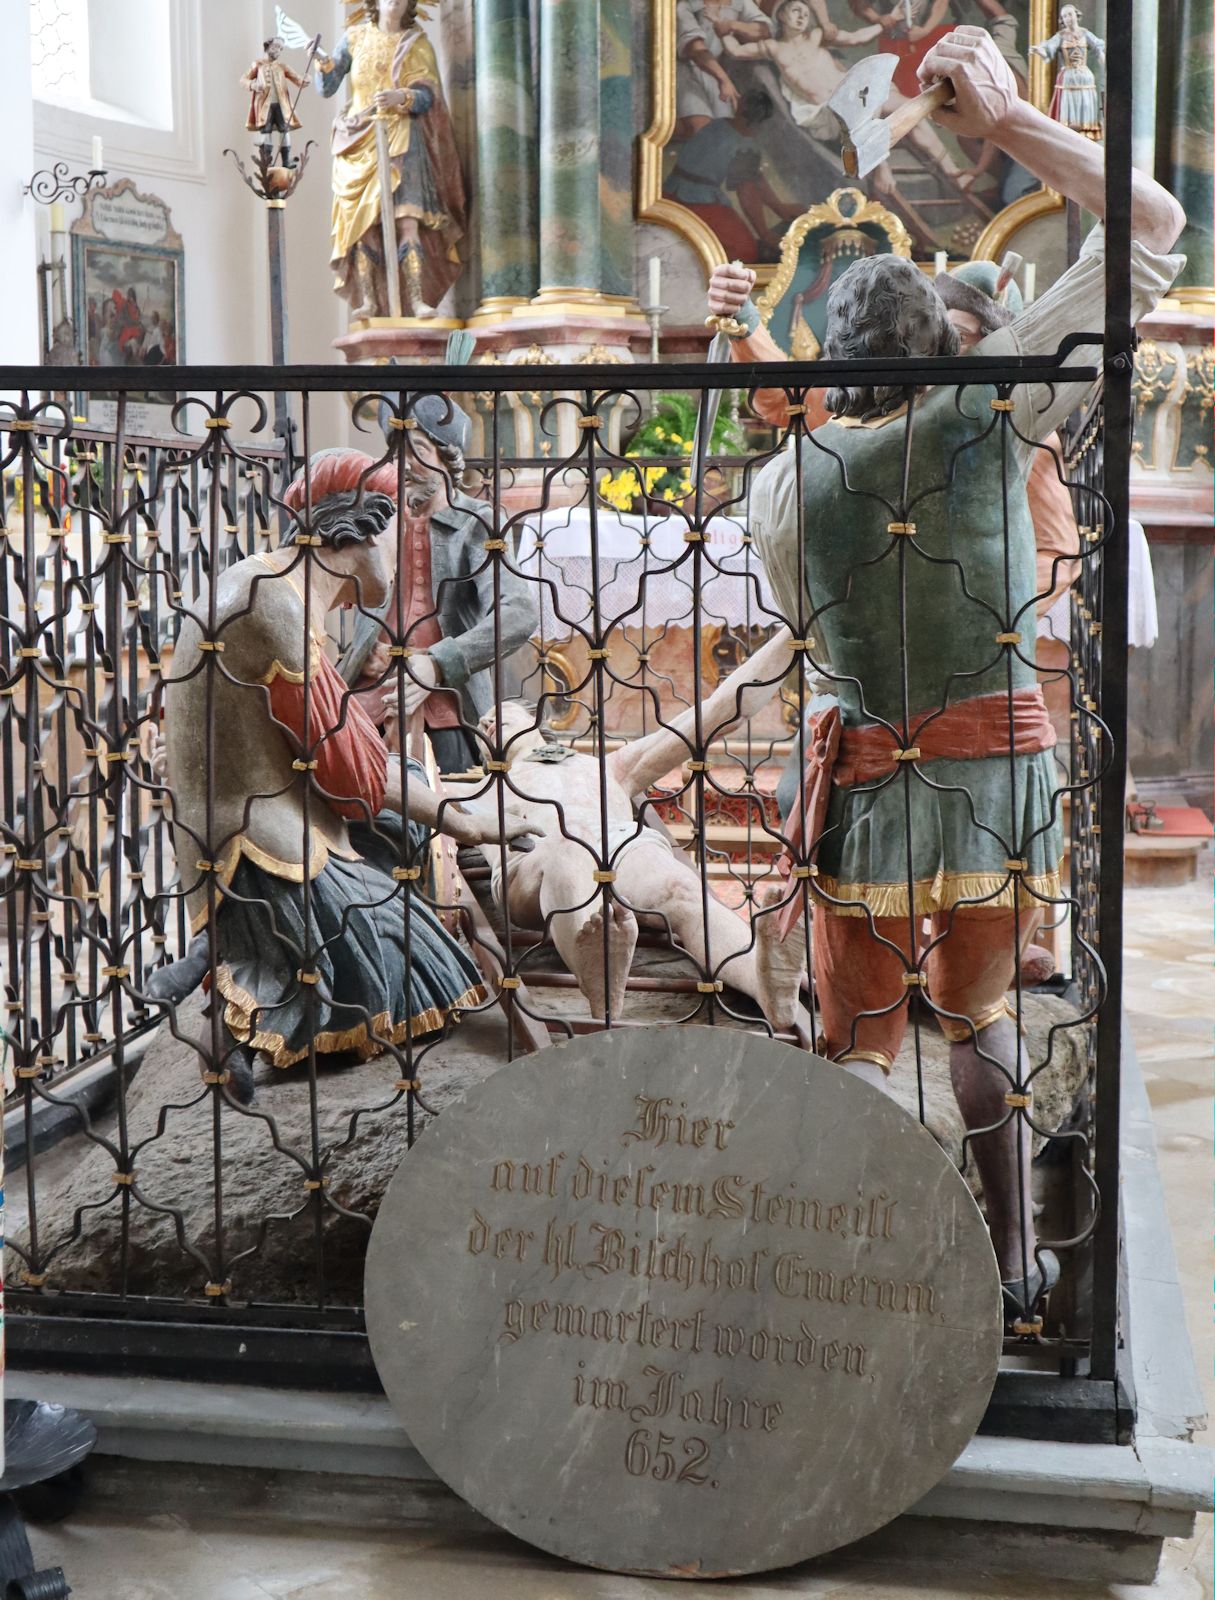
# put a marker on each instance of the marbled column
(1145, 22)
(616, 138)
(1184, 154)
(507, 130)
(570, 217)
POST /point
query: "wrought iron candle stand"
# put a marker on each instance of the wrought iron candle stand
(52, 186)
(274, 183)
(654, 315)
(56, 183)
(44, 1446)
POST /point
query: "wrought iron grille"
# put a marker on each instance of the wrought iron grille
(112, 543)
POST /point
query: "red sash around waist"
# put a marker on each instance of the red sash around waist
(967, 731)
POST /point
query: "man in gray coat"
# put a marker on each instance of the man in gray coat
(452, 605)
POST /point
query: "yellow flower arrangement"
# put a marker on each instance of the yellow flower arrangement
(620, 491)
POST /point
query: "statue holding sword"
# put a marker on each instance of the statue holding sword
(398, 190)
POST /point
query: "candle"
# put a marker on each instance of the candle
(98, 165)
(940, 262)
(58, 218)
(1031, 275)
(655, 280)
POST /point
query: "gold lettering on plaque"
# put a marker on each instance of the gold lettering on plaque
(798, 1282)
(657, 1124)
(527, 1177)
(500, 1242)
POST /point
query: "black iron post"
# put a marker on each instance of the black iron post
(1119, 418)
(275, 184)
(276, 239)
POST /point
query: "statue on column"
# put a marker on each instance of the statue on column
(1076, 102)
(398, 191)
(271, 104)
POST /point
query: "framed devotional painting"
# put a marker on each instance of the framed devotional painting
(127, 276)
(742, 144)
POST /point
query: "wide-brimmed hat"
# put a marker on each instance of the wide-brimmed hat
(437, 415)
(974, 287)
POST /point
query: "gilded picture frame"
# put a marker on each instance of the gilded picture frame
(690, 181)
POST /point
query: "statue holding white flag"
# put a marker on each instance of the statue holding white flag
(270, 82)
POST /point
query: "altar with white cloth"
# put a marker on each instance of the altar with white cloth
(651, 583)
(647, 571)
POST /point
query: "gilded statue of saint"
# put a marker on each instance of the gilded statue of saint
(394, 137)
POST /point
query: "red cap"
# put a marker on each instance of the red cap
(333, 472)
(384, 479)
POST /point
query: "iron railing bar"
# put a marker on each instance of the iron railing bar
(1119, 420)
(969, 370)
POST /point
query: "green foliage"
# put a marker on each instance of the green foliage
(670, 428)
(668, 431)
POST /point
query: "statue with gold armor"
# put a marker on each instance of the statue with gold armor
(398, 190)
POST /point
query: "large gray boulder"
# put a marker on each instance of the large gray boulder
(269, 1232)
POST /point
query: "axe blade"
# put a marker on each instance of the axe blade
(867, 149)
(857, 105)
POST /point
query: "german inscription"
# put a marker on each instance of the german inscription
(735, 1300)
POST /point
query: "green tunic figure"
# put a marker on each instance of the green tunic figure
(963, 604)
(937, 572)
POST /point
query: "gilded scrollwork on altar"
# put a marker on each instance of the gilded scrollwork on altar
(1198, 404)
(818, 246)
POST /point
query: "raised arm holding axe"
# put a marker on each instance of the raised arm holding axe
(951, 844)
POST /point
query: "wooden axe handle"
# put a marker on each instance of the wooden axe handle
(910, 115)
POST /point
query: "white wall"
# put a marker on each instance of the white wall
(18, 258)
(315, 315)
(223, 226)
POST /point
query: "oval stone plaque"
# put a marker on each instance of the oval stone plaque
(683, 1301)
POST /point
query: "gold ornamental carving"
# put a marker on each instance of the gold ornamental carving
(845, 210)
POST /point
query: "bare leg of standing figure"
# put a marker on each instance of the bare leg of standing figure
(981, 1070)
(1002, 1156)
(970, 969)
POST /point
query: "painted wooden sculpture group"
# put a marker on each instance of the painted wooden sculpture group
(305, 740)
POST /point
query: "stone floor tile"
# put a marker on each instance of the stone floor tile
(105, 1560)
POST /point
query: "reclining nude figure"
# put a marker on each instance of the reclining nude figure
(555, 791)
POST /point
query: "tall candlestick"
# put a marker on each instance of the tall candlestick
(58, 223)
(655, 280)
(1031, 277)
(940, 262)
(97, 161)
